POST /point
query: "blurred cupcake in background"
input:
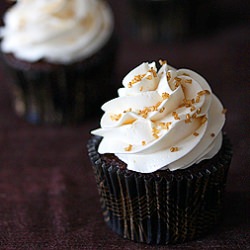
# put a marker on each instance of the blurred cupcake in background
(61, 54)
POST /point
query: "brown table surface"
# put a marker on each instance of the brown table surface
(48, 196)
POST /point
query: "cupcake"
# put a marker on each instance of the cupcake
(160, 158)
(61, 55)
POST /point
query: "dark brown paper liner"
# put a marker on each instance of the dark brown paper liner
(63, 94)
(162, 207)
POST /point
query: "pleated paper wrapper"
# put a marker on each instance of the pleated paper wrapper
(163, 207)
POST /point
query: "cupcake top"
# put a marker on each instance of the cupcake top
(162, 119)
(58, 31)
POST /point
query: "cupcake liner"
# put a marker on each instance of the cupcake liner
(63, 94)
(162, 207)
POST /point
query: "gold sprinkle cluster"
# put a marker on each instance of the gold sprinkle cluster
(139, 77)
(115, 117)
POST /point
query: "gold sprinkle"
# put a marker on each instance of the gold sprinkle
(153, 108)
(162, 110)
(158, 104)
(194, 115)
(165, 125)
(156, 136)
(178, 79)
(183, 88)
(115, 117)
(185, 74)
(212, 135)
(224, 111)
(144, 112)
(204, 92)
(143, 143)
(174, 149)
(149, 77)
(181, 105)
(203, 119)
(188, 118)
(175, 115)
(195, 134)
(141, 88)
(155, 132)
(153, 72)
(197, 100)
(189, 81)
(177, 84)
(198, 111)
(128, 148)
(192, 108)
(187, 103)
(168, 76)
(162, 62)
(128, 110)
(136, 79)
(129, 121)
(165, 95)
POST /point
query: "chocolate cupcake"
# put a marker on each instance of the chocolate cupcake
(54, 49)
(160, 158)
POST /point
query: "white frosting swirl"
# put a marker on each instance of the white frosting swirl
(59, 31)
(162, 119)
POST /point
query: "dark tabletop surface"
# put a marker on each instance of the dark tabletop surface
(48, 196)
